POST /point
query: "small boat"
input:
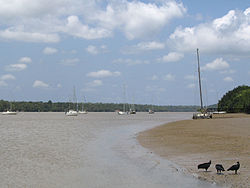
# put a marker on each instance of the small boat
(71, 113)
(151, 111)
(121, 112)
(9, 113)
(82, 112)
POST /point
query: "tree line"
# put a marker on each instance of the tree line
(24, 106)
(236, 100)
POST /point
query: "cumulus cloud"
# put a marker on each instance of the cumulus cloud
(39, 21)
(217, 64)
(95, 83)
(172, 57)
(26, 36)
(70, 62)
(228, 34)
(16, 67)
(40, 84)
(131, 62)
(103, 74)
(74, 27)
(144, 46)
(228, 79)
(25, 60)
(138, 19)
(49, 51)
(92, 49)
(7, 77)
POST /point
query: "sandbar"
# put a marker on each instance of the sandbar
(225, 139)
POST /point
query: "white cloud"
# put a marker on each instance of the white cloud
(139, 19)
(75, 28)
(40, 84)
(217, 64)
(172, 57)
(16, 67)
(49, 50)
(27, 36)
(169, 77)
(227, 71)
(150, 46)
(7, 77)
(144, 46)
(103, 73)
(95, 83)
(39, 21)
(92, 49)
(228, 34)
(3, 83)
(25, 60)
(130, 62)
(228, 79)
(70, 62)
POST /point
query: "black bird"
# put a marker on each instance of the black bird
(204, 165)
(219, 168)
(235, 167)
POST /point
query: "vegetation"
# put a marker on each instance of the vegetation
(236, 100)
(91, 107)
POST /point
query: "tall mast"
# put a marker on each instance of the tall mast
(199, 74)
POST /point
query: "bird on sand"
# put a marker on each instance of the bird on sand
(234, 167)
(219, 168)
(204, 165)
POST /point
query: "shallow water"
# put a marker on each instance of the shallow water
(91, 150)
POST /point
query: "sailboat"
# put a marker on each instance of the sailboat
(132, 108)
(9, 112)
(82, 111)
(72, 112)
(124, 105)
(203, 114)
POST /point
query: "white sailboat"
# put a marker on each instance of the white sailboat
(72, 112)
(124, 105)
(203, 114)
(83, 111)
(9, 112)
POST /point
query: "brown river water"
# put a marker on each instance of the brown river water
(94, 150)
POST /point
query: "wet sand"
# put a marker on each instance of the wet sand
(225, 139)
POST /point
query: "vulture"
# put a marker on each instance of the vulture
(204, 165)
(234, 167)
(219, 168)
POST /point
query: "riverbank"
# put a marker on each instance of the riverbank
(225, 139)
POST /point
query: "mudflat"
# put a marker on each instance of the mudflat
(225, 139)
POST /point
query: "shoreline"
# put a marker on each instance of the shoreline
(225, 139)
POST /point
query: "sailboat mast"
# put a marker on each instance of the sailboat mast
(199, 74)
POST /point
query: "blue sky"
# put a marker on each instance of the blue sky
(49, 47)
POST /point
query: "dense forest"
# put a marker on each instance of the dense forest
(236, 100)
(91, 107)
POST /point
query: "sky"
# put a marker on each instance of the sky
(141, 52)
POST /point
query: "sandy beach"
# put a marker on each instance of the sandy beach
(225, 139)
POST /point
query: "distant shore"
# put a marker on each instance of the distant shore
(225, 139)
